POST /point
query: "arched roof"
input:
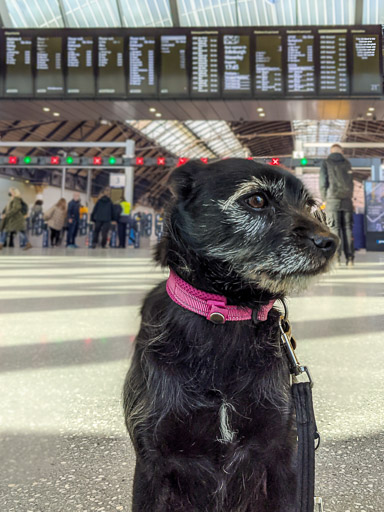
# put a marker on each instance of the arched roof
(184, 13)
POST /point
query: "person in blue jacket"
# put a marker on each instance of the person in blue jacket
(73, 220)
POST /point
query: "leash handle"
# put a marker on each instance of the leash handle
(307, 433)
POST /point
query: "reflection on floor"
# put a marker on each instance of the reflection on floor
(67, 323)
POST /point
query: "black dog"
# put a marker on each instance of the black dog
(208, 407)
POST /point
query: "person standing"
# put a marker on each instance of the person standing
(36, 211)
(13, 219)
(56, 217)
(73, 218)
(123, 221)
(102, 216)
(336, 188)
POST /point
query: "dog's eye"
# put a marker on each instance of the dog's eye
(257, 202)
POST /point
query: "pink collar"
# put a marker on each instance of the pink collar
(213, 307)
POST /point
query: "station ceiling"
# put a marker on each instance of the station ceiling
(257, 138)
(185, 13)
(191, 128)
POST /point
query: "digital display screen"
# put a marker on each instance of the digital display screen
(173, 76)
(374, 206)
(142, 75)
(205, 65)
(237, 68)
(195, 63)
(333, 63)
(301, 66)
(269, 64)
(111, 77)
(80, 74)
(49, 66)
(366, 77)
(18, 66)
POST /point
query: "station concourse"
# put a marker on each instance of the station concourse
(99, 103)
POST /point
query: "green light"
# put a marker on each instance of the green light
(303, 161)
(27, 159)
(112, 160)
(69, 160)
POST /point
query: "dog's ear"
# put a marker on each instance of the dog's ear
(184, 178)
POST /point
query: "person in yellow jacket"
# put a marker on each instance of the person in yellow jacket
(123, 222)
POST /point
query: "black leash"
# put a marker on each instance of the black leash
(307, 432)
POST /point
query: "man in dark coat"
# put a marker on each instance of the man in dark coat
(336, 188)
(102, 216)
(73, 217)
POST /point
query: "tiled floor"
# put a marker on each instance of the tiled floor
(66, 328)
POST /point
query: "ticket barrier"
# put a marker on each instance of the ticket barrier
(83, 225)
(89, 239)
(113, 237)
(159, 226)
(148, 224)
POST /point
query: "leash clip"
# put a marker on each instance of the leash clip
(300, 373)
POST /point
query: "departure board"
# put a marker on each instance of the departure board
(80, 74)
(193, 63)
(269, 64)
(49, 66)
(173, 75)
(111, 76)
(18, 66)
(333, 62)
(366, 77)
(205, 65)
(301, 65)
(237, 68)
(142, 75)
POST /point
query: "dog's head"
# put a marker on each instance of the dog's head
(243, 224)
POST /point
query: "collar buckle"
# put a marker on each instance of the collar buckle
(218, 311)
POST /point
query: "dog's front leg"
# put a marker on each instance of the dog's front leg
(158, 493)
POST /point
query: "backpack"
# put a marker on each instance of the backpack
(24, 207)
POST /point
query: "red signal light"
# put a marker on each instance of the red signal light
(97, 160)
(12, 159)
(161, 160)
(55, 160)
(182, 161)
(139, 160)
(275, 161)
(250, 158)
(204, 160)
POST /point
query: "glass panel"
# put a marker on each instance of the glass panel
(218, 136)
(34, 13)
(319, 131)
(146, 13)
(205, 13)
(326, 12)
(373, 12)
(268, 12)
(174, 137)
(91, 13)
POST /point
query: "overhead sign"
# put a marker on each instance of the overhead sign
(117, 180)
(176, 63)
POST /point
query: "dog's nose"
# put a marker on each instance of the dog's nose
(325, 243)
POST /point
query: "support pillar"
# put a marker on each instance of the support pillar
(375, 169)
(89, 187)
(63, 177)
(129, 172)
